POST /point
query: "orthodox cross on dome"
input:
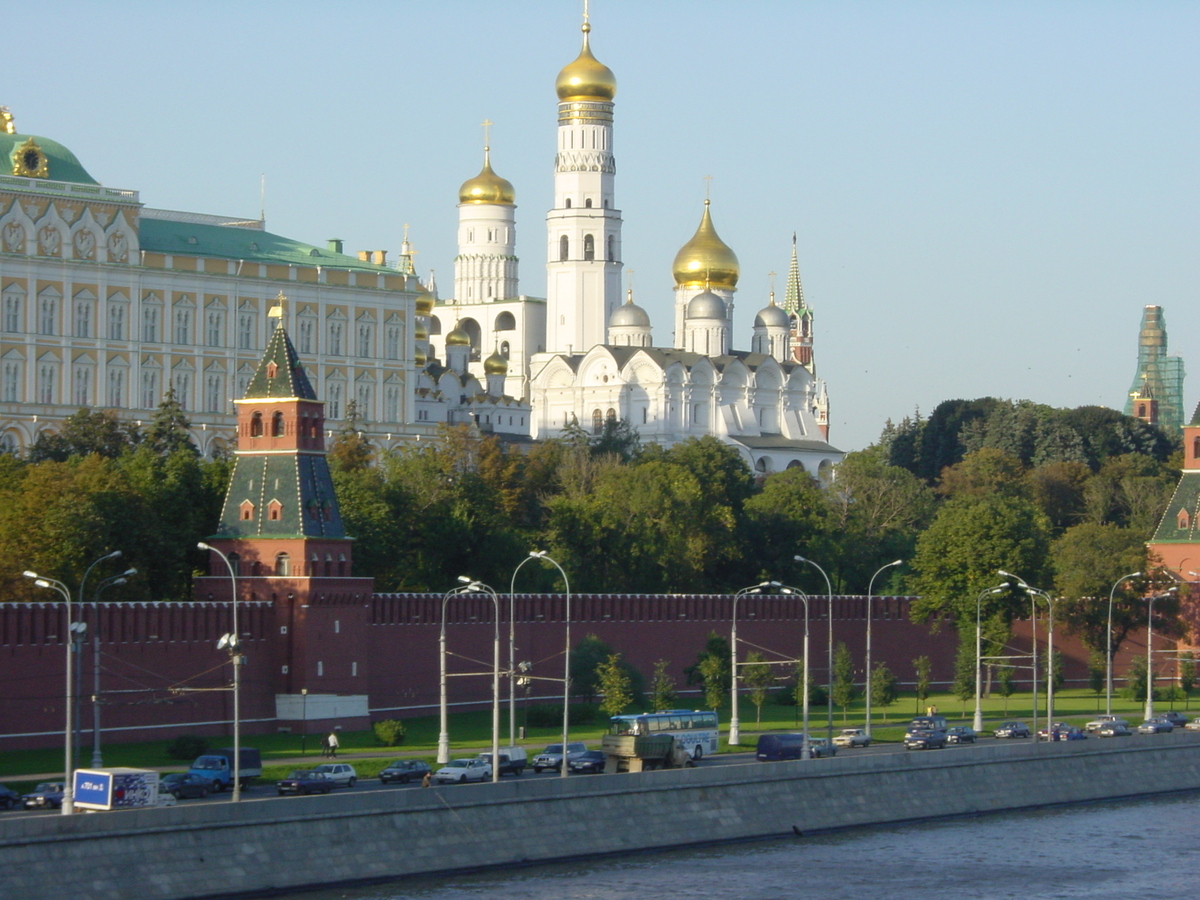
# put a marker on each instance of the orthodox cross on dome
(771, 278)
(276, 311)
(487, 124)
(707, 188)
(629, 280)
(585, 12)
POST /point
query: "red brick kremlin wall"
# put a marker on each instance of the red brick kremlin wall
(162, 671)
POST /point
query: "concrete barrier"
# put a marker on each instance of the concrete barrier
(215, 850)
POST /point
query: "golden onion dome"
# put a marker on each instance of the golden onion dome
(458, 338)
(487, 186)
(495, 365)
(421, 331)
(586, 78)
(419, 356)
(424, 302)
(706, 260)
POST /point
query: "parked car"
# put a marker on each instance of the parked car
(960, 734)
(551, 757)
(8, 797)
(1155, 726)
(819, 748)
(1178, 719)
(592, 762)
(1193, 725)
(924, 739)
(512, 760)
(304, 781)
(463, 770)
(852, 737)
(47, 795)
(341, 774)
(1113, 729)
(404, 771)
(184, 786)
(1012, 730)
(1097, 722)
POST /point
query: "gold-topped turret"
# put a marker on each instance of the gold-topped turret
(706, 260)
(586, 78)
(487, 186)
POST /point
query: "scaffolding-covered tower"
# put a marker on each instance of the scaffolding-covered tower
(1156, 395)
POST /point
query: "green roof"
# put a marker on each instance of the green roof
(232, 242)
(280, 374)
(61, 162)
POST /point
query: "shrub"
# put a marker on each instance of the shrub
(550, 716)
(389, 732)
(187, 746)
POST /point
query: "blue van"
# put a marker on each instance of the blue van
(774, 747)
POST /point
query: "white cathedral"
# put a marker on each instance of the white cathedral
(581, 355)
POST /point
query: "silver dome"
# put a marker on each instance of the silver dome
(706, 305)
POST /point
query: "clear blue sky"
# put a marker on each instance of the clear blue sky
(985, 193)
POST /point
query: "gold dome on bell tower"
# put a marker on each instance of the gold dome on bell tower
(487, 186)
(586, 78)
(706, 260)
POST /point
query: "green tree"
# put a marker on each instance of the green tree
(1135, 679)
(759, 678)
(351, 450)
(844, 689)
(1089, 559)
(169, 430)
(1053, 669)
(83, 434)
(923, 667)
(1097, 674)
(714, 645)
(790, 511)
(586, 659)
(1187, 675)
(662, 687)
(964, 672)
(885, 688)
(613, 682)
(1006, 684)
(716, 681)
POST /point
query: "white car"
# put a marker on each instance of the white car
(1193, 725)
(460, 771)
(852, 737)
(341, 774)
(1099, 721)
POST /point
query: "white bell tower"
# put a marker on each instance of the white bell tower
(583, 230)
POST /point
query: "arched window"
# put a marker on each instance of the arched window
(611, 255)
(246, 511)
(277, 424)
(1196, 448)
(235, 560)
(342, 565)
(506, 321)
(568, 203)
(275, 511)
(588, 202)
(504, 351)
(597, 421)
(589, 247)
(256, 426)
(328, 565)
(282, 564)
(564, 248)
(611, 415)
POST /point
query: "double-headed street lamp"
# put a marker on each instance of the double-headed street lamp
(566, 722)
(735, 732)
(114, 581)
(1150, 650)
(1108, 655)
(829, 658)
(68, 804)
(870, 609)
(232, 642)
(978, 723)
(1032, 642)
(1050, 673)
(512, 652)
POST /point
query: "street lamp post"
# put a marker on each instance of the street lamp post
(1033, 644)
(114, 581)
(478, 587)
(1150, 650)
(829, 651)
(512, 658)
(735, 733)
(870, 609)
(303, 721)
(1050, 601)
(68, 804)
(1108, 655)
(541, 554)
(233, 643)
(978, 722)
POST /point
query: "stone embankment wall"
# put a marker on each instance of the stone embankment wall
(222, 849)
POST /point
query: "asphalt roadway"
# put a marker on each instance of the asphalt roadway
(265, 792)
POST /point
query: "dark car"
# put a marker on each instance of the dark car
(923, 739)
(404, 771)
(183, 786)
(1113, 729)
(305, 781)
(47, 795)
(1177, 719)
(1157, 725)
(592, 762)
(960, 734)
(1012, 730)
(8, 797)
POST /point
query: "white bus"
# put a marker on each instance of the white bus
(696, 730)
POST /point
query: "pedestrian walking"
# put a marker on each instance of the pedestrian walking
(325, 747)
(426, 779)
(333, 744)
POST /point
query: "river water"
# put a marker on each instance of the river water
(1101, 851)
